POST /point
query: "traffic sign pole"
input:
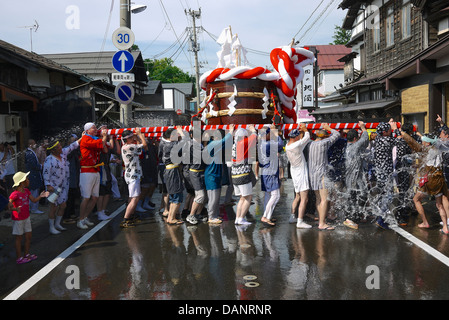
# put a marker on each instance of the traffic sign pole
(123, 38)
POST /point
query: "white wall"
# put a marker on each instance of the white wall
(331, 78)
(174, 99)
(41, 78)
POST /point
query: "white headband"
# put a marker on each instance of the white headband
(128, 136)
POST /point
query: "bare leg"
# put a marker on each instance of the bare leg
(419, 207)
(321, 206)
(443, 213)
(131, 207)
(174, 208)
(295, 203)
(87, 205)
(18, 244)
(304, 195)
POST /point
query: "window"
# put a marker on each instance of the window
(406, 19)
(373, 21)
(364, 96)
(376, 39)
(417, 119)
(320, 78)
(376, 94)
(389, 27)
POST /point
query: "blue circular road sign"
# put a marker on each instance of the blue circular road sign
(123, 61)
(124, 93)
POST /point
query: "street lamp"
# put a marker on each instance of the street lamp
(126, 8)
(136, 8)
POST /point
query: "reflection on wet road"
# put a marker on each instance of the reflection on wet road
(156, 261)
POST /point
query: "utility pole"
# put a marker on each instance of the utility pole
(125, 21)
(125, 13)
(195, 48)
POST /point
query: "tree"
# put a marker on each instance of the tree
(341, 36)
(166, 72)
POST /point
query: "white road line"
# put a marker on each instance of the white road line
(24, 287)
(433, 252)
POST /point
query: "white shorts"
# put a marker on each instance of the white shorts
(134, 189)
(300, 179)
(243, 189)
(19, 227)
(89, 184)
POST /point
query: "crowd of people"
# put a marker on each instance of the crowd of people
(352, 173)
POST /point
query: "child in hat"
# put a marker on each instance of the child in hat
(20, 206)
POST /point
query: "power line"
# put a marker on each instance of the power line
(177, 38)
(319, 25)
(180, 48)
(172, 45)
(105, 34)
(308, 18)
(157, 37)
(314, 22)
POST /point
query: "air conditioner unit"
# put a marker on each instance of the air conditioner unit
(13, 123)
(17, 123)
(9, 123)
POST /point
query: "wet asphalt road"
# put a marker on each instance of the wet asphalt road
(158, 262)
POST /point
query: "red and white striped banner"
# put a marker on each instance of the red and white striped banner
(157, 131)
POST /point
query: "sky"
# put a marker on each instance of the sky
(87, 25)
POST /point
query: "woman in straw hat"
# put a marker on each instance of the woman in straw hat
(56, 175)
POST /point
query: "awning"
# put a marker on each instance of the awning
(382, 104)
(423, 62)
(11, 95)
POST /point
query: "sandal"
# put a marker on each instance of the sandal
(31, 257)
(175, 222)
(442, 231)
(328, 228)
(22, 260)
(215, 221)
(268, 223)
(351, 224)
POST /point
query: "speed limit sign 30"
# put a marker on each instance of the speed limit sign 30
(123, 38)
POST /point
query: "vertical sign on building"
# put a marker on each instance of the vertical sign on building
(307, 87)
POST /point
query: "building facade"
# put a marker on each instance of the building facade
(398, 53)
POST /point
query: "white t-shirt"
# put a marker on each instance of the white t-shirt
(130, 156)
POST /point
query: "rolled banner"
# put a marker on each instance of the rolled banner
(286, 126)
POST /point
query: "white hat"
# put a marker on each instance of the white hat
(88, 125)
(19, 177)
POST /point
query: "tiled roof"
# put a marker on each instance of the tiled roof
(186, 88)
(29, 59)
(95, 64)
(328, 56)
